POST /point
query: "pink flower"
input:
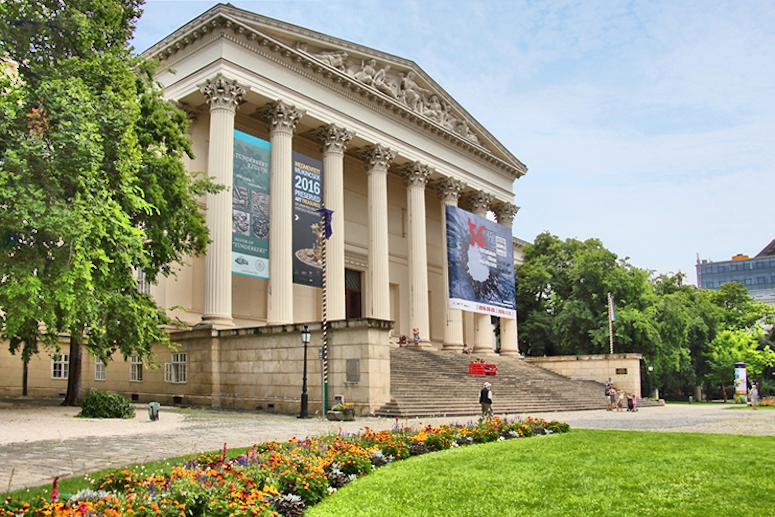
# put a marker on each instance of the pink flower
(54, 491)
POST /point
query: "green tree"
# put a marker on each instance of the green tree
(734, 346)
(92, 186)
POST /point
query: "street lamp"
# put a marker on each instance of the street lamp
(651, 389)
(304, 398)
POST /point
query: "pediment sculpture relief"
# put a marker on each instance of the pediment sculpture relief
(400, 86)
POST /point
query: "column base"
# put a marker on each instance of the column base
(452, 347)
(218, 321)
(512, 354)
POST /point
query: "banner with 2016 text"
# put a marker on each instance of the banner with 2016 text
(481, 265)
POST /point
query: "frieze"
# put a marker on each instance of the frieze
(400, 86)
(452, 126)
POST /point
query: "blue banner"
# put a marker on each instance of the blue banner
(250, 206)
(481, 265)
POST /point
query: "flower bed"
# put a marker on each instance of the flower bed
(271, 479)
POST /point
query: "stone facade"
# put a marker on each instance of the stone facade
(395, 150)
(623, 369)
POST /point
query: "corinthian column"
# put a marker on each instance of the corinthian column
(282, 120)
(223, 96)
(449, 190)
(415, 177)
(505, 213)
(484, 337)
(334, 140)
(377, 158)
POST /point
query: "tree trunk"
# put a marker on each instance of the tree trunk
(25, 369)
(73, 396)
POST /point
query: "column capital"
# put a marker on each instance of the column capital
(222, 93)
(416, 174)
(479, 201)
(377, 157)
(449, 190)
(333, 139)
(281, 117)
(505, 213)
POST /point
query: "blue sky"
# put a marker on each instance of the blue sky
(647, 124)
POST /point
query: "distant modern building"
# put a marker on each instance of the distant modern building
(757, 274)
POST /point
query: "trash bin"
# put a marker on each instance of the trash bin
(153, 410)
(691, 399)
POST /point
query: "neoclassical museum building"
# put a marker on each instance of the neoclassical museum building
(293, 121)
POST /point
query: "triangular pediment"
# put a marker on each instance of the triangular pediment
(392, 82)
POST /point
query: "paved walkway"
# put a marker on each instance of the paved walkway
(40, 440)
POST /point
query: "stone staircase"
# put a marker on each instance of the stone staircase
(429, 383)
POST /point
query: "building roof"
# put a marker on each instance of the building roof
(350, 69)
(768, 251)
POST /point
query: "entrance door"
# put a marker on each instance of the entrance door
(352, 293)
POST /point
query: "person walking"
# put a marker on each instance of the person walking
(485, 399)
(754, 396)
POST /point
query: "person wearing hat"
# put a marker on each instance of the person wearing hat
(485, 399)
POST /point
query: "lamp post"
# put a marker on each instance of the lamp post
(651, 374)
(304, 397)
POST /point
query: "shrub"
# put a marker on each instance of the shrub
(103, 404)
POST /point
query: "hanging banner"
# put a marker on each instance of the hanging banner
(741, 384)
(250, 206)
(308, 232)
(481, 265)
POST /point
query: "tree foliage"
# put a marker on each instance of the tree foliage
(92, 186)
(682, 331)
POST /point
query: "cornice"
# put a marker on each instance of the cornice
(210, 26)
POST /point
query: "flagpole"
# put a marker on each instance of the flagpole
(326, 222)
(611, 322)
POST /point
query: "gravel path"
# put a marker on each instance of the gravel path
(40, 440)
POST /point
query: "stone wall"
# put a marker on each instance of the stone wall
(258, 368)
(623, 369)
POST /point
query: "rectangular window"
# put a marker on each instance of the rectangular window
(760, 265)
(175, 371)
(761, 280)
(722, 269)
(60, 366)
(99, 370)
(135, 369)
(734, 267)
(707, 269)
(708, 285)
(143, 284)
(748, 281)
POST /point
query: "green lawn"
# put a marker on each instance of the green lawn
(582, 473)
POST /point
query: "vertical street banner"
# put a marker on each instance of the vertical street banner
(481, 265)
(308, 231)
(250, 206)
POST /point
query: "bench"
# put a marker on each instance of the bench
(482, 369)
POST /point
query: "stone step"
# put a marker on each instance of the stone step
(430, 383)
